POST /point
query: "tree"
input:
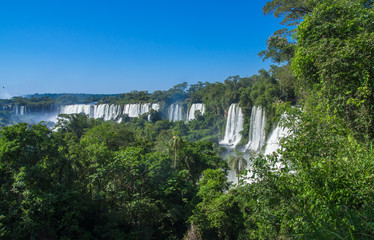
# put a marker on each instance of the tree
(114, 135)
(334, 60)
(279, 46)
(175, 143)
(75, 123)
(237, 163)
(217, 215)
(292, 11)
(38, 197)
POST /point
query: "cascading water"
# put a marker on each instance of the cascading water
(100, 111)
(256, 130)
(113, 112)
(193, 109)
(234, 126)
(106, 111)
(279, 132)
(132, 110)
(6, 107)
(87, 109)
(21, 110)
(137, 109)
(155, 106)
(175, 112)
(109, 112)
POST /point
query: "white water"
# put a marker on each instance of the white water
(234, 126)
(256, 129)
(155, 106)
(109, 112)
(272, 143)
(195, 107)
(21, 110)
(105, 111)
(137, 109)
(175, 112)
(87, 109)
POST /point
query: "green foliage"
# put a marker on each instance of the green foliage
(37, 199)
(291, 11)
(115, 136)
(73, 123)
(334, 59)
(142, 179)
(95, 179)
(218, 214)
(320, 186)
(333, 177)
(279, 48)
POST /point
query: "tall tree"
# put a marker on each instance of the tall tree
(175, 143)
(237, 163)
(280, 47)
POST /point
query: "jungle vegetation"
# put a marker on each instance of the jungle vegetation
(90, 179)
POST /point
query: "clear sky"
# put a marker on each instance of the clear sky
(108, 46)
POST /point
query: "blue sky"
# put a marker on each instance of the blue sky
(118, 46)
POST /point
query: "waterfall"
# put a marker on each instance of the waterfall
(279, 132)
(234, 126)
(137, 109)
(109, 111)
(21, 110)
(256, 129)
(175, 113)
(87, 109)
(155, 106)
(132, 110)
(104, 111)
(193, 109)
(100, 111)
(7, 107)
(114, 112)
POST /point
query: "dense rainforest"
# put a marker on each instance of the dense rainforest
(139, 179)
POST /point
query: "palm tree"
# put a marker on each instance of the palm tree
(175, 143)
(237, 162)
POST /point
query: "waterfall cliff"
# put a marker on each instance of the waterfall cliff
(137, 109)
(106, 111)
(195, 107)
(175, 112)
(256, 129)
(234, 126)
(109, 111)
(20, 110)
(272, 143)
(17, 109)
(87, 109)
